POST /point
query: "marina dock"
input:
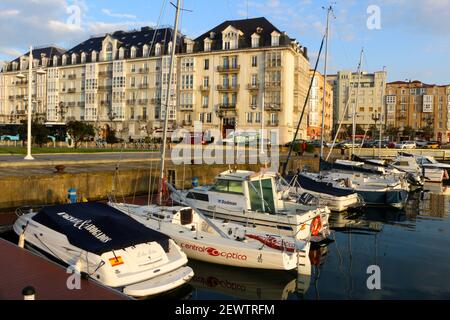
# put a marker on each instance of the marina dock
(23, 269)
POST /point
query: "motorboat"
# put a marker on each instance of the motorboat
(432, 173)
(250, 198)
(376, 191)
(336, 201)
(106, 245)
(222, 242)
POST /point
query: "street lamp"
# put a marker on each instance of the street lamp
(30, 102)
(376, 117)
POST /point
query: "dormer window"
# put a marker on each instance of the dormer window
(94, 56)
(133, 52)
(207, 44)
(275, 39)
(169, 50)
(230, 38)
(83, 57)
(145, 51)
(121, 53)
(109, 51)
(55, 61)
(74, 58)
(158, 49)
(64, 60)
(255, 40)
(189, 45)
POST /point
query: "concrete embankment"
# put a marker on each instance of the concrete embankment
(33, 185)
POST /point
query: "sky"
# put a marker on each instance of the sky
(411, 38)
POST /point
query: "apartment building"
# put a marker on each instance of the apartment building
(367, 99)
(419, 105)
(120, 80)
(315, 107)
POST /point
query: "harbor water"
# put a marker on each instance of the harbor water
(410, 247)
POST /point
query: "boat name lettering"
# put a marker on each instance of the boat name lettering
(214, 252)
(86, 225)
(227, 202)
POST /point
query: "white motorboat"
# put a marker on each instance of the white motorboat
(379, 191)
(410, 164)
(106, 245)
(220, 242)
(299, 189)
(250, 198)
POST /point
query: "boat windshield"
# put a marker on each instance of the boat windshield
(228, 186)
(263, 202)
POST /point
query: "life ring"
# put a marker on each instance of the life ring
(316, 226)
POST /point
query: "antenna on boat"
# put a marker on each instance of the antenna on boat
(327, 33)
(169, 97)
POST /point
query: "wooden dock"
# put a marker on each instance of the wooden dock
(20, 268)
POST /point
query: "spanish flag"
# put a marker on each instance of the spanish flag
(117, 261)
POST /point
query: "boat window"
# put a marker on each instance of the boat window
(235, 187)
(221, 186)
(198, 196)
(256, 203)
(228, 186)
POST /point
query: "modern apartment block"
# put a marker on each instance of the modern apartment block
(419, 106)
(119, 80)
(315, 106)
(368, 99)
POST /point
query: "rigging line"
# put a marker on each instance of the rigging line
(158, 24)
(150, 183)
(283, 172)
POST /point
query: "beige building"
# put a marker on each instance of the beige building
(315, 108)
(419, 106)
(120, 81)
(367, 99)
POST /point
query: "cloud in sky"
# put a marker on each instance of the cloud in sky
(118, 15)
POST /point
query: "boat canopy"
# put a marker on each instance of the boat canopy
(97, 227)
(326, 166)
(322, 186)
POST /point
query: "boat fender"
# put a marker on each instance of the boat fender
(316, 226)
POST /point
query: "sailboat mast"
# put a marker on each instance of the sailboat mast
(355, 105)
(382, 111)
(327, 32)
(168, 98)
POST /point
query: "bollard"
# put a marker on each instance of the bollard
(72, 195)
(28, 293)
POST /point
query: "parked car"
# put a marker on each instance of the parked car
(406, 145)
(432, 145)
(242, 138)
(348, 144)
(7, 137)
(421, 143)
(297, 141)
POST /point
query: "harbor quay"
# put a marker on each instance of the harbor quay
(95, 177)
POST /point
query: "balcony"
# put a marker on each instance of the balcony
(227, 106)
(71, 90)
(187, 122)
(144, 70)
(205, 88)
(142, 101)
(273, 123)
(11, 97)
(186, 107)
(71, 104)
(105, 102)
(156, 100)
(228, 88)
(104, 88)
(253, 86)
(81, 104)
(229, 68)
(72, 76)
(143, 86)
(19, 96)
(273, 85)
(272, 106)
(21, 82)
(105, 74)
(131, 102)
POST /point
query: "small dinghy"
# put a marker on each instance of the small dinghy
(108, 246)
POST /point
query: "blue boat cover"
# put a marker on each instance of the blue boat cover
(325, 165)
(322, 186)
(97, 227)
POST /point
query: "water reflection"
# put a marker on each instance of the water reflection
(411, 248)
